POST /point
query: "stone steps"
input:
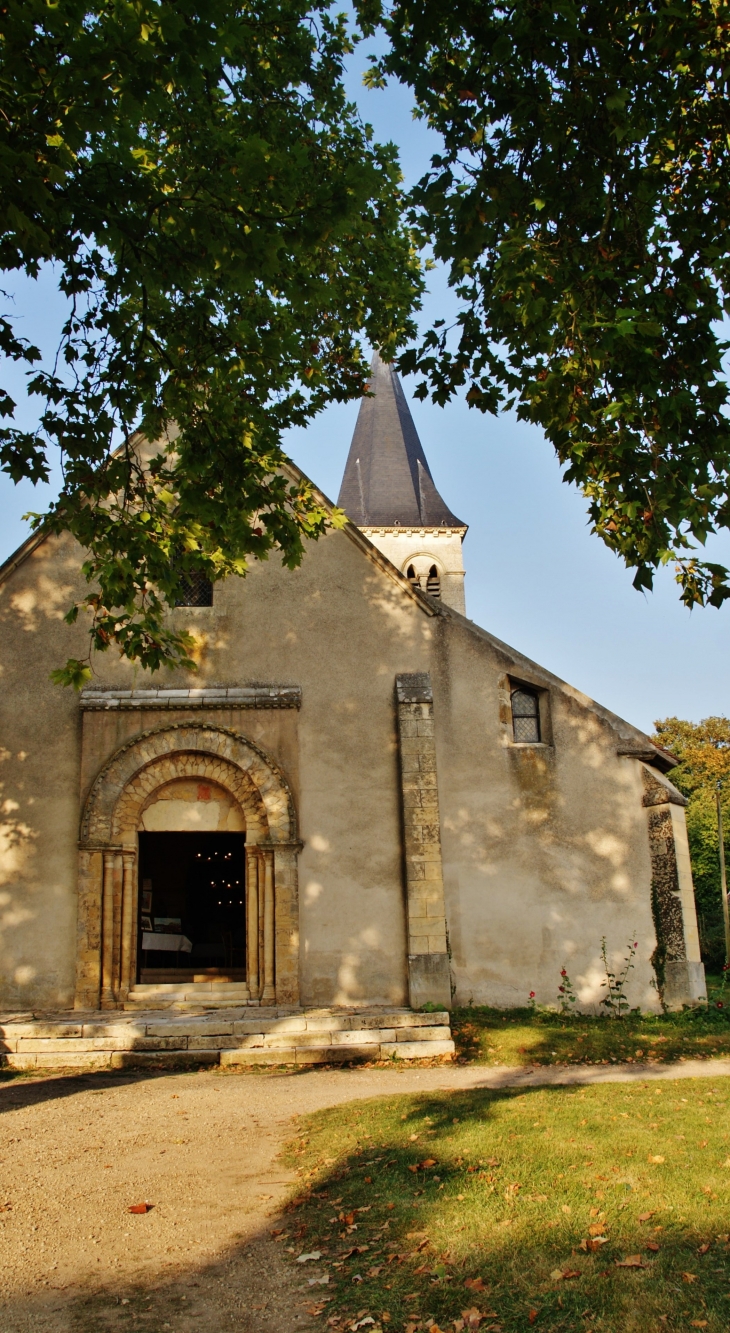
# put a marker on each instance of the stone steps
(183, 994)
(224, 1036)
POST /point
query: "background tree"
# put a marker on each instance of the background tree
(581, 202)
(226, 232)
(703, 751)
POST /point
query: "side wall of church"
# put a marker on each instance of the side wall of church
(545, 847)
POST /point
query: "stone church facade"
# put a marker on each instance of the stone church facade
(390, 805)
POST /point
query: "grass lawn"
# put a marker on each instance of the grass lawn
(538, 1037)
(599, 1209)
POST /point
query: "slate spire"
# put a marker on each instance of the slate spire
(387, 481)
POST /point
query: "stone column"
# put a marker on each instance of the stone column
(429, 974)
(129, 925)
(268, 994)
(286, 922)
(252, 921)
(89, 928)
(680, 970)
(107, 931)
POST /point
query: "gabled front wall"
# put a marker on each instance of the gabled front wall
(545, 850)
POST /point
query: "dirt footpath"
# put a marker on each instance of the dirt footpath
(76, 1152)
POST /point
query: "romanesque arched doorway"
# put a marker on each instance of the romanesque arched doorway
(186, 781)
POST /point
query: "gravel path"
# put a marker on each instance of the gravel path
(76, 1151)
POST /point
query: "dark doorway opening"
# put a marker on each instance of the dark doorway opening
(192, 896)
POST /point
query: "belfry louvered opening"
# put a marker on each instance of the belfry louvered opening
(526, 716)
(433, 583)
(197, 590)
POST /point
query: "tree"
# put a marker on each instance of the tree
(703, 751)
(226, 232)
(582, 202)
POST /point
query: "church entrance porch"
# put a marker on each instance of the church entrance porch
(192, 907)
(188, 843)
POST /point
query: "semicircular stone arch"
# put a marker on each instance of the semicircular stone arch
(209, 753)
(108, 903)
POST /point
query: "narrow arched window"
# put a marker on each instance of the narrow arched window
(197, 590)
(412, 577)
(433, 584)
(526, 716)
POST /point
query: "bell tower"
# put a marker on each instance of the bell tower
(389, 493)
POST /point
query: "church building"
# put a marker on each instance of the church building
(360, 799)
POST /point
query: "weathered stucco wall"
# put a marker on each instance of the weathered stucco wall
(545, 848)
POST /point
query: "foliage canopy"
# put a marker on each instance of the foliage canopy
(226, 231)
(703, 751)
(581, 202)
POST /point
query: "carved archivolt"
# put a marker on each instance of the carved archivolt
(113, 810)
(108, 892)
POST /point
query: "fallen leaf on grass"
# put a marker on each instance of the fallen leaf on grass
(427, 1162)
(689, 1277)
(476, 1283)
(375, 1272)
(473, 1317)
(698, 1323)
(305, 1258)
(564, 1274)
(704, 1248)
(532, 1316)
(652, 1245)
(657, 1158)
(631, 1261)
(646, 1217)
(597, 1229)
(141, 1208)
(319, 1281)
(593, 1245)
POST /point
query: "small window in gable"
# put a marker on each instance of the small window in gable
(197, 590)
(526, 716)
(433, 585)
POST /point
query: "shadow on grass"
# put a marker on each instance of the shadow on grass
(522, 1207)
(525, 1036)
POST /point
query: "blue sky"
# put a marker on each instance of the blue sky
(535, 576)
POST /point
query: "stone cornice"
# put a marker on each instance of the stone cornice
(232, 696)
(427, 530)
